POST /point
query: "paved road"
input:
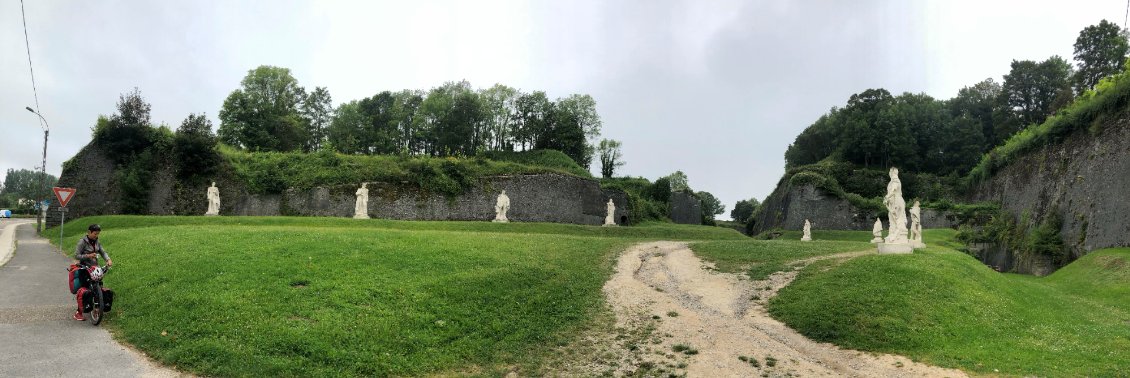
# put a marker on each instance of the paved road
(38, 338)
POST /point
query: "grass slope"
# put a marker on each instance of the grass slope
(945, 308)
(284, 296)
(760, 258)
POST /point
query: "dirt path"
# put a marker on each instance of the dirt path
(664, 296)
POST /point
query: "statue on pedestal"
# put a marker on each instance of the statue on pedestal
(896, 241)
(361, 208)
(610, 219)
(807, 231)
(877, 232)
(501, 206)
(896, 209)
(213, 200)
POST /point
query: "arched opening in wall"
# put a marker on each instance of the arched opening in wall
(624, 220)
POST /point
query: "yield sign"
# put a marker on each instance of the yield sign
(64, 195)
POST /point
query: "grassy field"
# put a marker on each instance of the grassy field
(300, 296)
(945, 308)
(279, 296)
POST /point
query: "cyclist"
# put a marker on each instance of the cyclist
(87, 253)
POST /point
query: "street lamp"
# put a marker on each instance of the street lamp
(39, 221)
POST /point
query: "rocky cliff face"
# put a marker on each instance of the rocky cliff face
(533, 198)
(1085, 180)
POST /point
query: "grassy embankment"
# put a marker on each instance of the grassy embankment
(945, 308)
(280, 296)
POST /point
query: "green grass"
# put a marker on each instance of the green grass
(649, 231)
(760, 258)
(301, 296)
(945, 308)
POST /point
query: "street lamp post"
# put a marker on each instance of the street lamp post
(40, 226)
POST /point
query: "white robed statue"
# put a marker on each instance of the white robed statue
(807, 231)
(610, 219)
(361, 208)
(213, 200)
(896, 210)
(916, 226)
(501, 206)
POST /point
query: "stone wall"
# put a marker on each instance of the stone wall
(1084, 180)
(788, 207)
(533, 198)
(685, 208)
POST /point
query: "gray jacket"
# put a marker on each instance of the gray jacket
(86, 246)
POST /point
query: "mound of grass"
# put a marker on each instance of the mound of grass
(944, 308)
(303, 296)
(539, 158)
(760, 258)
(296, 301)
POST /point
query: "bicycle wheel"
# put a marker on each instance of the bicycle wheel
(97, 308)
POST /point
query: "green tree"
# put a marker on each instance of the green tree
(499, 103)
(380, 134)
(866, 139)
(317, 112)
(978, 103)
(534, 112)
(128, 132)
(406, 115)
(610, 157)
(1035, 90)
(744, 209)
(346, 129)
(711, 206)
(194, 147)
(26, 184)
(1100, 51)
(263, 114)
(678, 181)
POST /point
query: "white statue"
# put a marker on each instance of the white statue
(916, 226)
(361, 208)
(877, 231)
(610, 219)
(213, 200)
(807, 231)
(501, 207)
(896, 210)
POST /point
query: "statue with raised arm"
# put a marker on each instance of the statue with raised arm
(213, 200)
(877, 231)
(807, 231)
(361, 208)
(610, 219)
(501, 206)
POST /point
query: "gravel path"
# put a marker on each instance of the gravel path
(665, 296)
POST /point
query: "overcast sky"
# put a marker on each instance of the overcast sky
(717, 89)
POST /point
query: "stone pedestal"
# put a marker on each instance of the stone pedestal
(360, 216)
(895, 248)
(917, 244)
(877, 239)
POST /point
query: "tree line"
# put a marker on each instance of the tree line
(948, 137)
(271, 112)
(22, 187)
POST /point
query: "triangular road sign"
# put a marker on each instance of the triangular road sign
(64, 195)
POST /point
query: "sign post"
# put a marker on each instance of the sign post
(64, 195)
